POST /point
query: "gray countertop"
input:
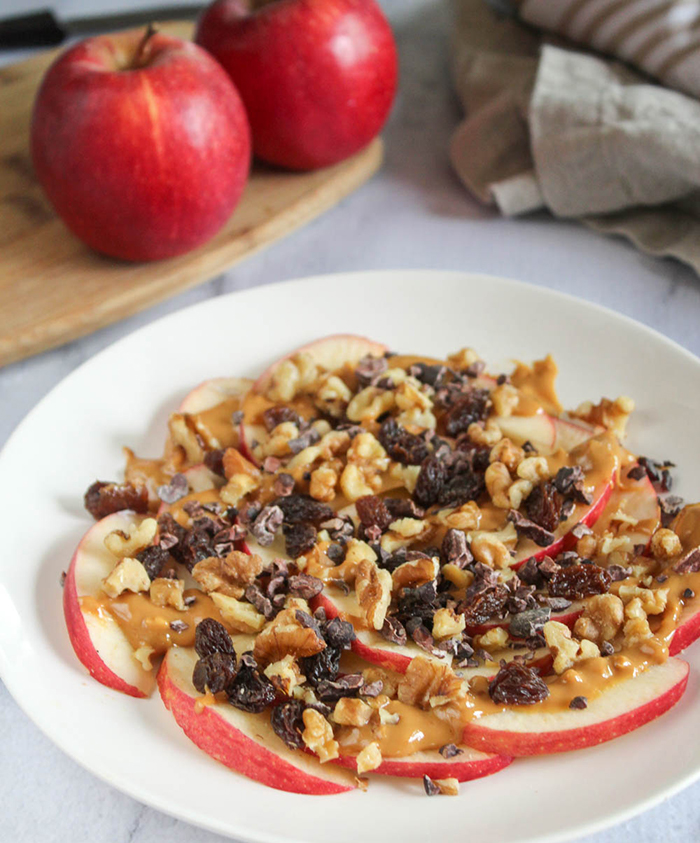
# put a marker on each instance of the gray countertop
(414, 214)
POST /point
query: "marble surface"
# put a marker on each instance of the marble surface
(414, 214)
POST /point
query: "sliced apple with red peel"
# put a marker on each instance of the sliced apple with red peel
(688, 629)
(213, 392)
(625, 706)
(98, 641)
(242, 741)
(470, 765)
(329, 353)
(638, 501)
(547, 433)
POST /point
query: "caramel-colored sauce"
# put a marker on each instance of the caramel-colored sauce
(687, 526)
(216, 425)
(177, 509)
(254, 405)
(536, 384)
(405, 361)
(145, 472)
(148, 625)
(416, 730)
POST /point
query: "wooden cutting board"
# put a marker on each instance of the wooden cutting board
(54, 289)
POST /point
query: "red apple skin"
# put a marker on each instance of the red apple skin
(146, 163)
(440, 768)
(81, 640)
(317, 77)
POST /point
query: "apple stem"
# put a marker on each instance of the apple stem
(142, 51)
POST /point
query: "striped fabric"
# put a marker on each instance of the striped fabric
(659, 37)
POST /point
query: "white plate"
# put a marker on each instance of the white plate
(123, 396)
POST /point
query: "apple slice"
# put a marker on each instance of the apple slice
(636, 499)
(625, 706)
(330, 353)
(688, 629)
(471, 764)
(242, 741)
(547, 433)
(98, 641)
(213, 392)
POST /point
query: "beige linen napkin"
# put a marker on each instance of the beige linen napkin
(549, 127)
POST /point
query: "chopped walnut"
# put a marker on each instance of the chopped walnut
(238, 486)
(427, 681)
(369, 758)
(128, 575)
(498, 481)
(653, 601)
(356, 553)
(388, 679)
(292, 376)
(406, 475)
(518, 492)
(602, 618)
(665, 544)
(586, 547)
(415, 573)
(533, 469)
(448, 787)
(636, 629)
(465, 517)
(285, 675)
(369, 404)
(373, 591)
(167, 592)
(505, 399)
(459, 577)
(285, 636)
(463, 358)
(485, 433)
(610, 414)
(489, 549)
(565, 649)
(351, 712)
(408, 527)
(140, 536)
(183, 435)
(409, 395)
(494, 639)
(446, 624)
(332, 395)
(278, 443)
(367, 460)
(323, 482)
(229, 575)
(318, 735)
(509, 454)
(143, 656)
(238, 614)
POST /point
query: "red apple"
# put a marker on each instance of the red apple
(470, 765)
(625, 706)
(244, 742)
(141, 143)
(213, 392)
(317, 76)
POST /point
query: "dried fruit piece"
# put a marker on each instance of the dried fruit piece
(402, 446)
(214, 672)
(543, 507)
(373, 512)
(299, 539)
(250, 690)
(516, 684)
(431, 481)
(578, 581)
(472, 408)
(211, 637)
(103, 499)
(287, 720)
(303, 509)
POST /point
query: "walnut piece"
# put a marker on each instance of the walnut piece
(602, 618)
(351, 712)
(565, 649)
(427, 683)
(167, 592)
(285, 636)
(636, 629)
(369, 758)
(448, 787)
(238, 614)
(184, 436)
(140, 536)
(229, 575)
(446, 624)
(509, 454)
(318, 735)
(373, 591)
(498, 481)
(285, 675)
(415, 573)
(665, 544)
(488, 433)
(128, 575)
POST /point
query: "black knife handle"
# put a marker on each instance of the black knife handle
(38, 29)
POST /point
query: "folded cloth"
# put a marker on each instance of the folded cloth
(582, 136)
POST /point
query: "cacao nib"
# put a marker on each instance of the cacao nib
(688, 564)
(278, 415)
(373, 512)
(569, 482)
(578, 703)
(283, 485)
(542, 506)
(103, 499)
(215, 672)
(403, 508)
(670, 506)
(370, 369)
(420, 634)
(402, 446)
(472, 408)
(431, 481)
(431, 789)
(618, 572)
(606, 648)
(173, 491)
(210, 636)
(658, 472)
(637, 472)
(580, 530)
(267, 523)
(340, 529)
(305, 586)
(373, 689)
(516, 684)
(529, 623)
(431, 375)
(256, 598)
(418, 603)
(525, 527)
(548, 567)
(530, 573)
(393, 630)
(299, 539)
(449, 750)
(287, 721)
(309, 437)
(178, 626)
(331, 690)
(250, 690)
(455, 549)
(303, 509)
(579, 581)
(688, 594)
(336, 553)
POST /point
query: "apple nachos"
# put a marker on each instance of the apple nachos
(390, 564)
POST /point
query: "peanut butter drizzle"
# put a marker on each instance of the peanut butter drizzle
(416, 730)
(216, 423)
(536, 385)
(254, 405)
(148, 625)
(616, 502)
(405, 361)
(686, 525)
(143, 472)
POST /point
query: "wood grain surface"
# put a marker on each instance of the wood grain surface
(54, 289)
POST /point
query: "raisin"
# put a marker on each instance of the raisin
(486, 605)
(373, 512)
(278, 415)
(542, 506)
(323, 665)
(472, 408)
(103, 499)
(402, 446)
(211, 637)
(215, 672)
(516, 684)
(299, 539)
(250, 690)
(431, 481)
(462, 488)
(287, 720)
(197, 543)
(418, 603)
(303, 509)
(153, 559)
(578, 581)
